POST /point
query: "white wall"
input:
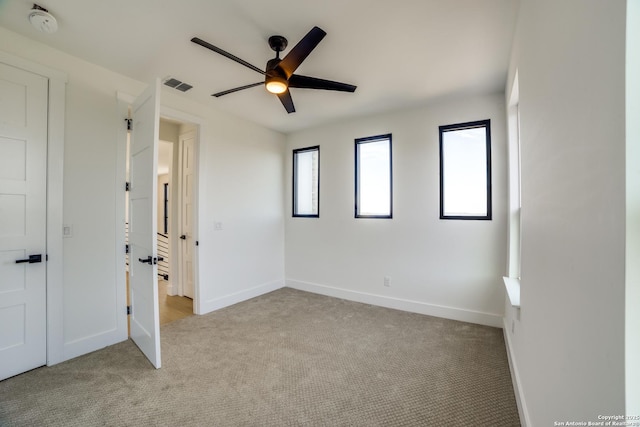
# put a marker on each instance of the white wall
(449, 268)
(568, 346)
(632, 339)
(169, 131)
(241, 184)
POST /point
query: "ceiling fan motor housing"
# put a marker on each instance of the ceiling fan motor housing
(278, 43)
(275, 78)
(273, 70)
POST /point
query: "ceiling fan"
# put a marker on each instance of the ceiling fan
(278, 73)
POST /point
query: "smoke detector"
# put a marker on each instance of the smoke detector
(42, 20)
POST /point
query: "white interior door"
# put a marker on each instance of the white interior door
(143, 265)
(23, 164)
(187, 143)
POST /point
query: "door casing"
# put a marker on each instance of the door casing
(124, 100)
(186, 118)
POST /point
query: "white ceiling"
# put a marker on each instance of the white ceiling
(400, 54)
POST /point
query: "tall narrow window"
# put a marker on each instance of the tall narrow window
(515, 204)
(465, 171)
(373, 177)
(306, 182)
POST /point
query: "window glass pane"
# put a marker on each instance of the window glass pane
(373, 181)
(464, 171)
(305, 182)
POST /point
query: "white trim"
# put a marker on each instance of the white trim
(487, 319)
(632, 190)
(181, 116)
(55, 251)
(514, 240)
(525, 421)
(55, 164)
(513, 290)
(121, 333)
(231, 299)
(122, 112)
(170, 113)
(91, 343)
(34, 67)
(177, 266)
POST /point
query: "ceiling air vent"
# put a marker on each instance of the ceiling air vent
(177, 84)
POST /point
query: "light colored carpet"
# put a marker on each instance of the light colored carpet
(288, 358)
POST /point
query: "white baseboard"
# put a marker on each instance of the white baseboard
(477, 317)
(515, 378)
(231, 299)
(90, 344)
(171, 288)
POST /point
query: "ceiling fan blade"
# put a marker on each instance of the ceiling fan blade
(300, 51)
(224, 53)
(287, 101)
(235, 89)
(306, 82)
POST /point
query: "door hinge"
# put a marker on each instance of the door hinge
(127, 186)
(129, 124)
(129, 310)
(126, 248)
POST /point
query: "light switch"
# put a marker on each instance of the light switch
(217, 225)
(67, 230)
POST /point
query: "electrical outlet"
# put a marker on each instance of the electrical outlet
(387, 281)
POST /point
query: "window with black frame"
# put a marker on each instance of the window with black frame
(374, 190)
(306, 182)
(465, 171)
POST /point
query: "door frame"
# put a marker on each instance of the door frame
(176, 269)
(57, 81)
(124, 101)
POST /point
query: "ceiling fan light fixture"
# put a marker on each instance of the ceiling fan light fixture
(276, 85)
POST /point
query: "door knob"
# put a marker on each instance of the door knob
(149, 260)
(183, 237)
(32, 259)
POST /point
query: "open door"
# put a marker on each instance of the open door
(143, 265)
